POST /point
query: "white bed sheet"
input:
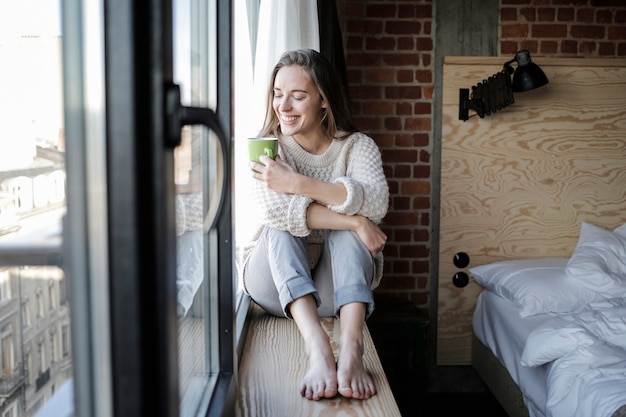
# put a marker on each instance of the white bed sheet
(498, 325)
(587, 355)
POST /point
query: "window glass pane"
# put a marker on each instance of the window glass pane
(35, 331)
(244, 38)
(195, 173)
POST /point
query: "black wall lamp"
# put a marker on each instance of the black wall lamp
(496, 92)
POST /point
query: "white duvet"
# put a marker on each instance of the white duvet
(586, 354)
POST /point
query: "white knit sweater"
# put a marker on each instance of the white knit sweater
(355, 162)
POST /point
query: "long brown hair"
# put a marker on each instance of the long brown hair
(336, 120)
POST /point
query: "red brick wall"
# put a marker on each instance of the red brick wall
(567, 28)
(390, 53)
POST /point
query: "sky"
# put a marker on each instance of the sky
(29, 18)
(30, 98)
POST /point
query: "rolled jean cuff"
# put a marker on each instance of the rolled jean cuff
(291, 291)
(356, 293)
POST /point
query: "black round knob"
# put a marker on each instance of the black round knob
(460, 279)
(461, 260)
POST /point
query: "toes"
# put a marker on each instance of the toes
(315, 393)
(345, 391)
(320, 391)
(330, 391)
(316, 390)
(307, 392)
(360, 390)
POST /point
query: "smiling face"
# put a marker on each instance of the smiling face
(297, 104)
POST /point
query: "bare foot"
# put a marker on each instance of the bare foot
(320, 380)
(353, 379)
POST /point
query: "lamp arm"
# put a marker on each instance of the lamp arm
(508, 63)
(507, 66)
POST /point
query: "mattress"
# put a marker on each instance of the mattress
(497, 324)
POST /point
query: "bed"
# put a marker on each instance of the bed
(523, 190)
(557, 329)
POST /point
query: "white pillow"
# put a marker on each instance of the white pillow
(536, 286)
(621, 230)
(553, 339)
(598, 321)
(599, 260)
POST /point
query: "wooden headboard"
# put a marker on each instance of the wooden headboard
(519, 182)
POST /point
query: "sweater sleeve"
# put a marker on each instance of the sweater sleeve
(280, 211)
(365, 182)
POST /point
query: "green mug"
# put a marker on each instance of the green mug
(262, 146)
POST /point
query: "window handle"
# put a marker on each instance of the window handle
(179, 116)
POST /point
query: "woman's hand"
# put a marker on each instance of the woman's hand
(276, 174)
(321, 217)
(371, 235)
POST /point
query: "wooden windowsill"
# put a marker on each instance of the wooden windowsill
(273, 361)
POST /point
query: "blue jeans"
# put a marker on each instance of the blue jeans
(277, 272)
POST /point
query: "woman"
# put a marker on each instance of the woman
(318, 249)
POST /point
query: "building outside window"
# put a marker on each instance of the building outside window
(8, 352)
(52, 294)
(26, 322)
(65, 339)
(39, 303)
(5, 286)
(10, 410)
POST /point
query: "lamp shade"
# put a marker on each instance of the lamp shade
(528, 75)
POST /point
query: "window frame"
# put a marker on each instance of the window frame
(151, 383)
(123, 363)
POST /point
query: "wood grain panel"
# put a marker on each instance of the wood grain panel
(273, 362)
(518, 183)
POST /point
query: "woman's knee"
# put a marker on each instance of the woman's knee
(347, 246)
(346, 239)
(276, 270)
(283, 240)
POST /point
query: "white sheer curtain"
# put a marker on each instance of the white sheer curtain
(283, 25)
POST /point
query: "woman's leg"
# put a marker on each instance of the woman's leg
(277, 277)
(277, 272)
(352, 377)
(351, 266)
(344, 273)
(320, 380)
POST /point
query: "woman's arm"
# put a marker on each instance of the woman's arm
(280, 177)
(364, 180)
(360, 189)
(321, 217)
(360, 192)
(281, 211)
